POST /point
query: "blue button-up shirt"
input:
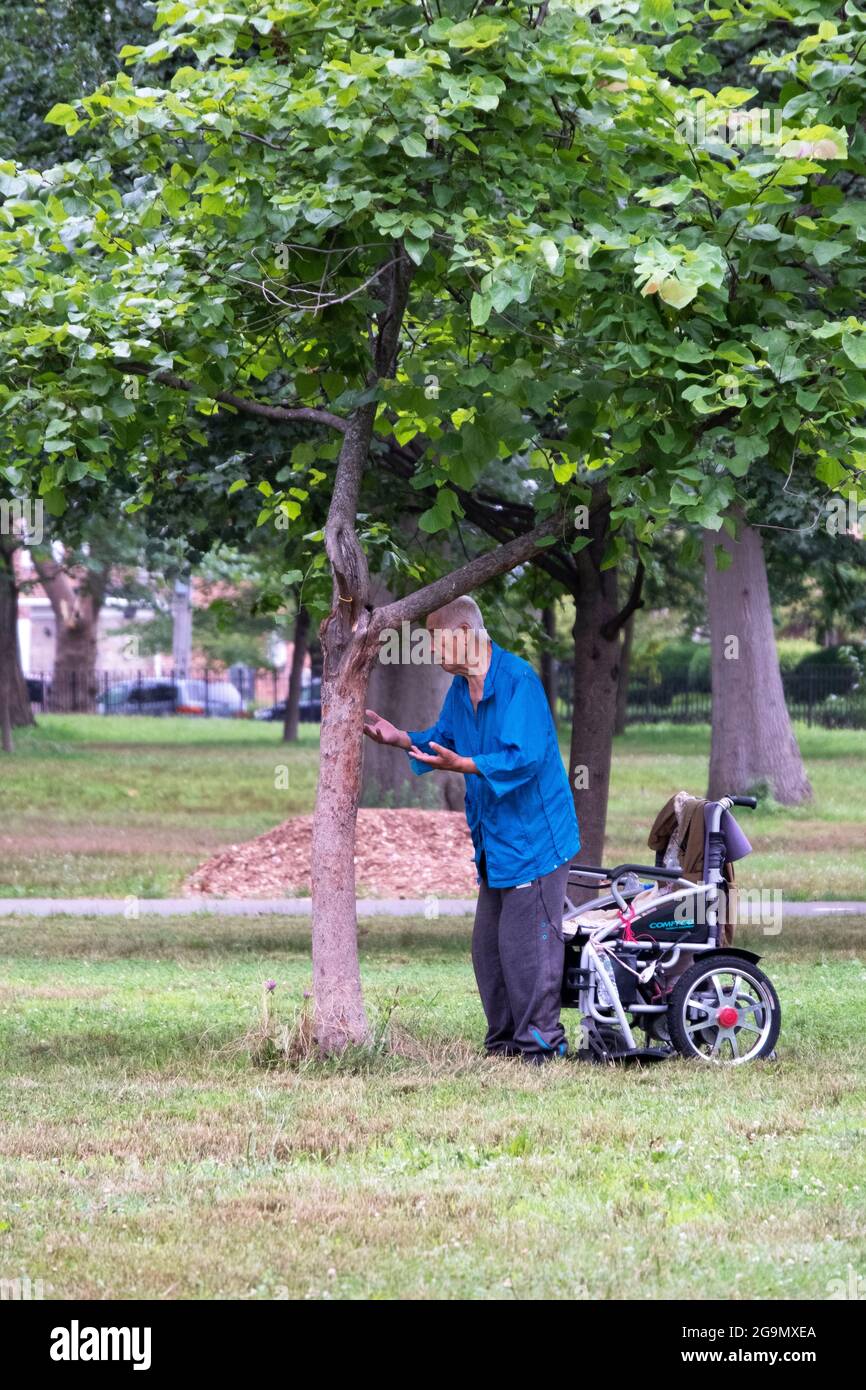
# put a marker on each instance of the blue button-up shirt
(519, 808)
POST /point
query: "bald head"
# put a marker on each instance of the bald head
(460, 612)
(459, 636)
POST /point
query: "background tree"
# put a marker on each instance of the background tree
(15, 708)
(85, 555)
(53, 50)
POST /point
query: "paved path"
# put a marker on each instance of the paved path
(300, 907)
(225, 907)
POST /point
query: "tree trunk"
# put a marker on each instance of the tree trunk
(5, 719)
(293, 694)
(340, 1017)
(548, 660)
(410, 696)
(348, 652)
(76, 603)
(622, 683)
(596, 673)
(181, 627)
(339, 1014)
(15, 709)
(752, 738)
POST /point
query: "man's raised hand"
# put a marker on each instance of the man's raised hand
(382, 731)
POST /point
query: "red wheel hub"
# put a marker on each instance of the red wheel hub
(727, 1017)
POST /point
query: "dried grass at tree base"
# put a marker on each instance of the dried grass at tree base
(403, 853)
(277, 1042)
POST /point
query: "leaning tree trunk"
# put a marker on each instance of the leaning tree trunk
(596, 674)
(752, 738)
(410, 696)
(76, 606)
(15, 709)
(348, 652)
(340, 1017)
(291, 722)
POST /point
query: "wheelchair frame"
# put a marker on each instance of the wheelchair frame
(598, 995)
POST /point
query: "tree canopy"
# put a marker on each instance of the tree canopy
(615, 271)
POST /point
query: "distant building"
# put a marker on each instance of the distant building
(118, 652)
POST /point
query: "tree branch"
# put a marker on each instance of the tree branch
(278, 413)
(609, 630)
(467, 578)
(498, 517)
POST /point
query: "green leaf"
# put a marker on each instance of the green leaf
(763, 231)
(440, 515)
(62, 114)
(414, 146)
(470, 34)
(854, 348)
(660, 12)
(55, 501)
(416, 248)
(550, 252)
(480, 309)
(677, 293)
(826, 251)
(174, 198)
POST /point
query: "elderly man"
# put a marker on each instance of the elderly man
(496, 728)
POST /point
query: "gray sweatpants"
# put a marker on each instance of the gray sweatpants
(518, 954)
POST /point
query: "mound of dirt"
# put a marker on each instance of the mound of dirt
(399, 854)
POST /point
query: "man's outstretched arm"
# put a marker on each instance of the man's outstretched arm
(428, 746)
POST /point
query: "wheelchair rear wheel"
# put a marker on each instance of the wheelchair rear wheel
(724, 1010)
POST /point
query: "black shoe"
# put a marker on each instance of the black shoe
(537, 1059)
(502, 1052)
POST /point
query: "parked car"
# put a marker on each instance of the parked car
(155, 696)
(309, 710)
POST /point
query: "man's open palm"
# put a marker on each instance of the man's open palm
(445, 759)
(382, 731)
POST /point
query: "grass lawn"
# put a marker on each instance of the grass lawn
(112, 806)
(109, 806)
(815, 851)
(142, 1157)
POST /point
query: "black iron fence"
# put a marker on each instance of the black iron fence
(241, 692)
(832, 697)
(828, 696)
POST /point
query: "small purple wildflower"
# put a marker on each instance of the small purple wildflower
(270, 986)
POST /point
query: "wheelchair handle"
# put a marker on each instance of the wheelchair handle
(750, 801)
(661, 873)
